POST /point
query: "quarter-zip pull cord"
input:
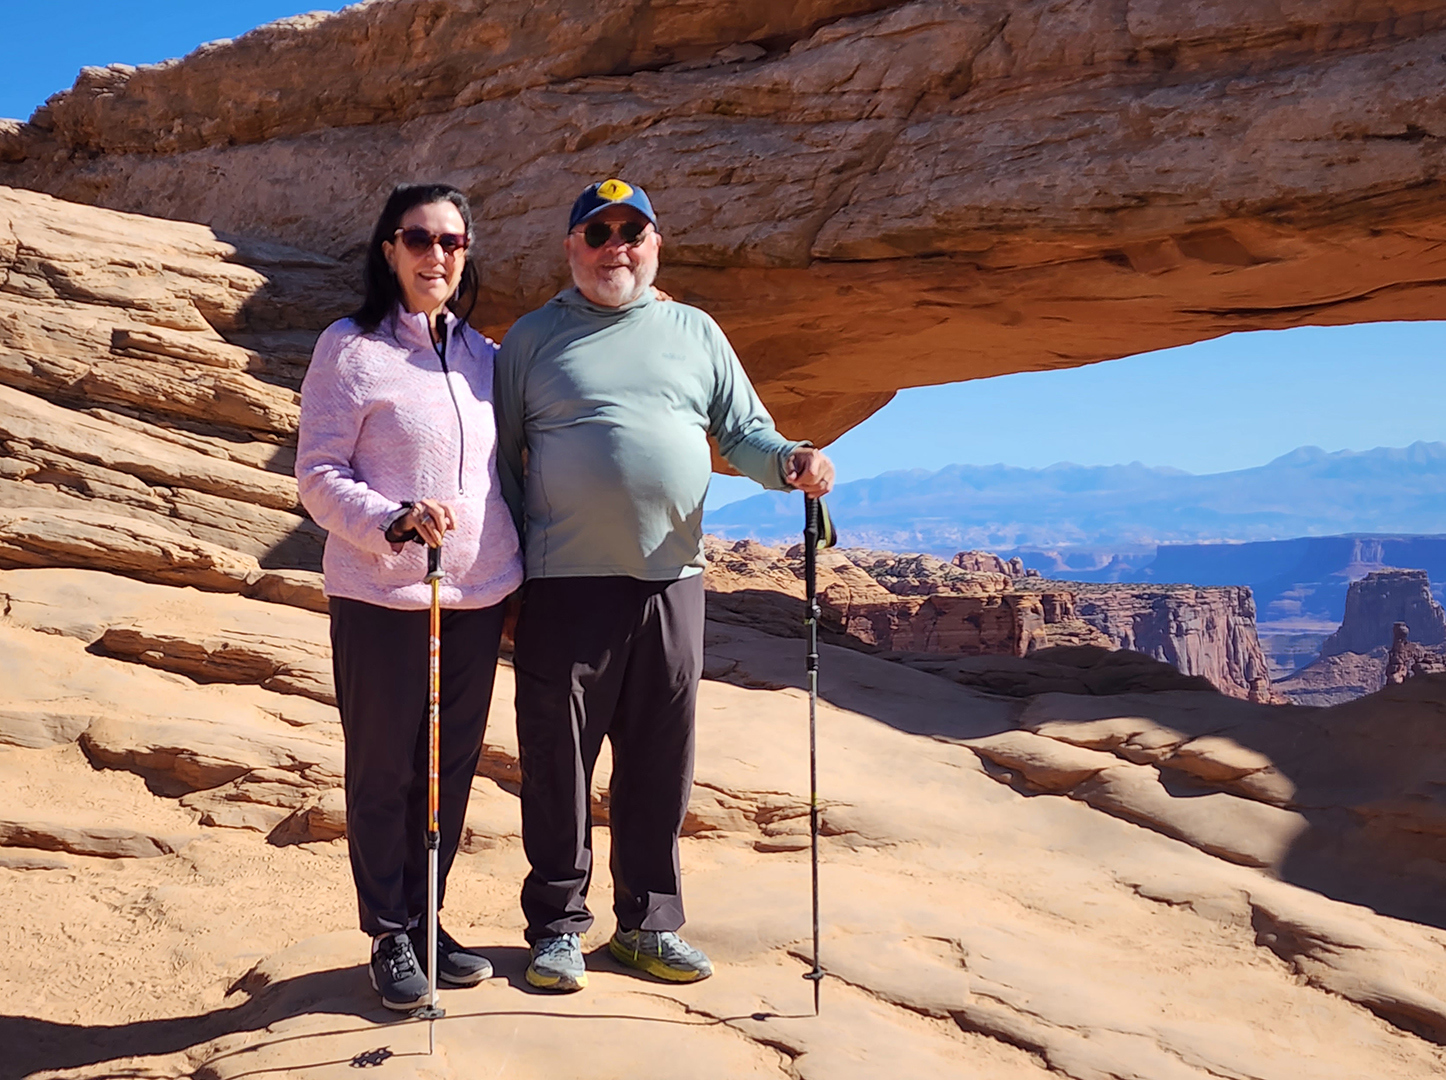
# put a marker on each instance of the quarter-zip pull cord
(441, 346)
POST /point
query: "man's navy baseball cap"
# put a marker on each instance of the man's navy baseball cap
(607, 193)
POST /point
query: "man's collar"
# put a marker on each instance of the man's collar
(572, 296)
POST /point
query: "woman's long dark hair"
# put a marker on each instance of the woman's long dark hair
(382, 291)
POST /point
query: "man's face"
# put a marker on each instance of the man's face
(616, 273)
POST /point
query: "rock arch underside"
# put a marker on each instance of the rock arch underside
(867, 195)
(1070, 860)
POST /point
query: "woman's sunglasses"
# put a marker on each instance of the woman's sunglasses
(599, 233)
(419, 241)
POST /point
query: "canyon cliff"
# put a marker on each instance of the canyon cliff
(1392, 624)
(919, 608)
(1378, 601)
(1208, 631)
(867, 194)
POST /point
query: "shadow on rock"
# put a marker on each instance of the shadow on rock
(34, 1044)
(1348, 802)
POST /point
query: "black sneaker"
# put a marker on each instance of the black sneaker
(396, 974)
(460, 966)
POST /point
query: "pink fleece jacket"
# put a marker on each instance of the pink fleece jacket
(383, 421)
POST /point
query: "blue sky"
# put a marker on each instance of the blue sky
(1225, 404)
(1218, 405)
(49, 42)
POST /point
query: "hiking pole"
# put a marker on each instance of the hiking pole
(432, 1011)
(817, 529)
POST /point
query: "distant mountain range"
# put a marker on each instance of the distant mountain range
(1118, 508)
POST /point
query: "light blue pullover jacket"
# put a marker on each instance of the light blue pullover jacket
(613, 407)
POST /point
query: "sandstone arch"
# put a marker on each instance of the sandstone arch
(868, 194)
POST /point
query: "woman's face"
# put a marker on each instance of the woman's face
(428, 277)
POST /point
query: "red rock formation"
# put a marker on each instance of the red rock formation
(1207, 631)
(888, 602)
(148, 374)
(917, 604)
(1407, 658)
(1372, 647)
(1377, 602)
(1334, 680)
(867, 194)
(987, 561)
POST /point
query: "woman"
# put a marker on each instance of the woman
(397, 444)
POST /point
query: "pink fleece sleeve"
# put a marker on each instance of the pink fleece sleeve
(331, 419)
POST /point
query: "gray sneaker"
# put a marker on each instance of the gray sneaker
(661, 953)
(557, 964)
(395, 973)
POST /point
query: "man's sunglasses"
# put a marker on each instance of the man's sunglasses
(599, 233)
(419, 241)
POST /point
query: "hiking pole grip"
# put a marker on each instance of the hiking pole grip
(434, 562)
(810, 555)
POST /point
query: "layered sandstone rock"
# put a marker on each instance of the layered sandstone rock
(922, 610)
(1334, 680)
(149, 372)
(1377, 602)
(1207, 631)
(1192, 821)
(891, 603)
(1407, 658)
(1370, 648)
(989, 562)
(867, 194)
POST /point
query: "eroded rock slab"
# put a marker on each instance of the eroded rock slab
(106, 842)
(86, 539)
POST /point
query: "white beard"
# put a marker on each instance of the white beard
(622, 286)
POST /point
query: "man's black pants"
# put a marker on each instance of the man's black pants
(614, 657)
(379, 656)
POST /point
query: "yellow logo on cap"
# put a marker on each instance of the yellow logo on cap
(613, 190)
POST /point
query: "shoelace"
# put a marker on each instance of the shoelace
(399, 960)
(666, 946)
(558, 946)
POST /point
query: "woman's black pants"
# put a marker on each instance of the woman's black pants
(379, 656)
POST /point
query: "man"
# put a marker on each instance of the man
(605, 397)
